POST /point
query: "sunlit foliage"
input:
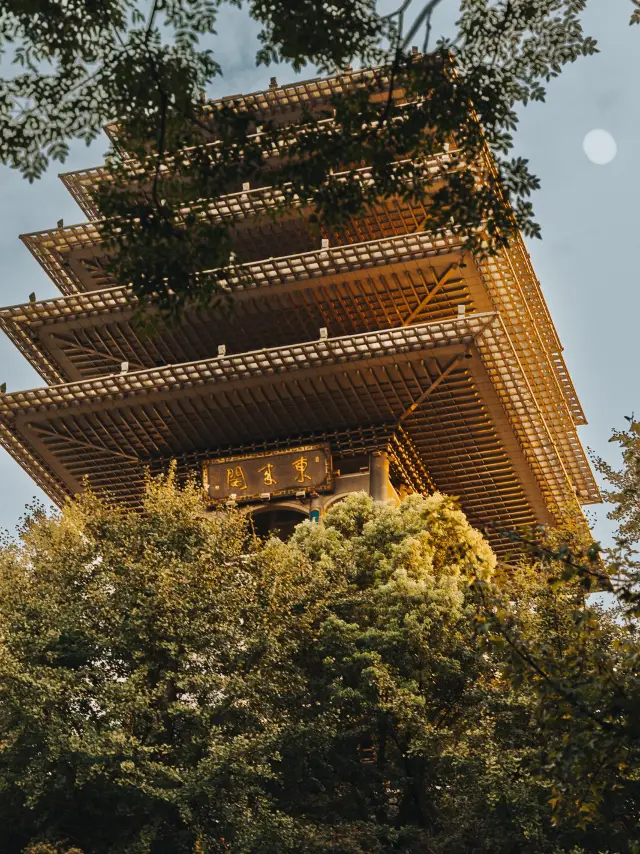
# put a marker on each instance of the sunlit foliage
(169, 683)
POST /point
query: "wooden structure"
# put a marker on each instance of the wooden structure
(415, 365)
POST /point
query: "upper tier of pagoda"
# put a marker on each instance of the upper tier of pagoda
(285, 104)
(74, 259)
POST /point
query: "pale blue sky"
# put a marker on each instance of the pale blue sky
(589, 216)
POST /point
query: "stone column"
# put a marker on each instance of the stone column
(379, 476)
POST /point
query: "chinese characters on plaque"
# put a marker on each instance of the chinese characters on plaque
(276, 472)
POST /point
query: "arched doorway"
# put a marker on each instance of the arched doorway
(277, 521)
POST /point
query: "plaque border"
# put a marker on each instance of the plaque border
(325, 486)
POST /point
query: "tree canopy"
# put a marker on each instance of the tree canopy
(583, 671)
(145, 66)
(170, 683)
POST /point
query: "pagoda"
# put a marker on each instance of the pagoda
(379, 357)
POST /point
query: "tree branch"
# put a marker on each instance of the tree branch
(425, 15)
(528, 659)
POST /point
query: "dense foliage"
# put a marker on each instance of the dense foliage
(585, 673)
(146, 65)
(168, 683)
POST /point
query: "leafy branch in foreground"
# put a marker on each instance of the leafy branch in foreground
(419, 128)
(584, 667)
(146, 68)
(83, 65)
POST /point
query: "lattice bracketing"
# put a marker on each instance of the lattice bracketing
(83, 183)
(251, 364)
(197, 336)
(305, 94)
(255, 363)
(53, 249)
(516, 265)
(317, 264)
(529, 283)
(291, 99)
(338, 287)
(63, 252)
(108, 427)
(21, 324)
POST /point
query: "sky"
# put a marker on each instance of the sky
(588, 213)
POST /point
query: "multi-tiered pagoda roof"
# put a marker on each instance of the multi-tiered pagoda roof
(375, 337)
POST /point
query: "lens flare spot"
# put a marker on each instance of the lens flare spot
(599, 146)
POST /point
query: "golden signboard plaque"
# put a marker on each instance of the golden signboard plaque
(275, 473)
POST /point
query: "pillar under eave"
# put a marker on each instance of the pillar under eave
(379, 483)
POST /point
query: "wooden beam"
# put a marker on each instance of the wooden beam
(453, 364)
(439, 284)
